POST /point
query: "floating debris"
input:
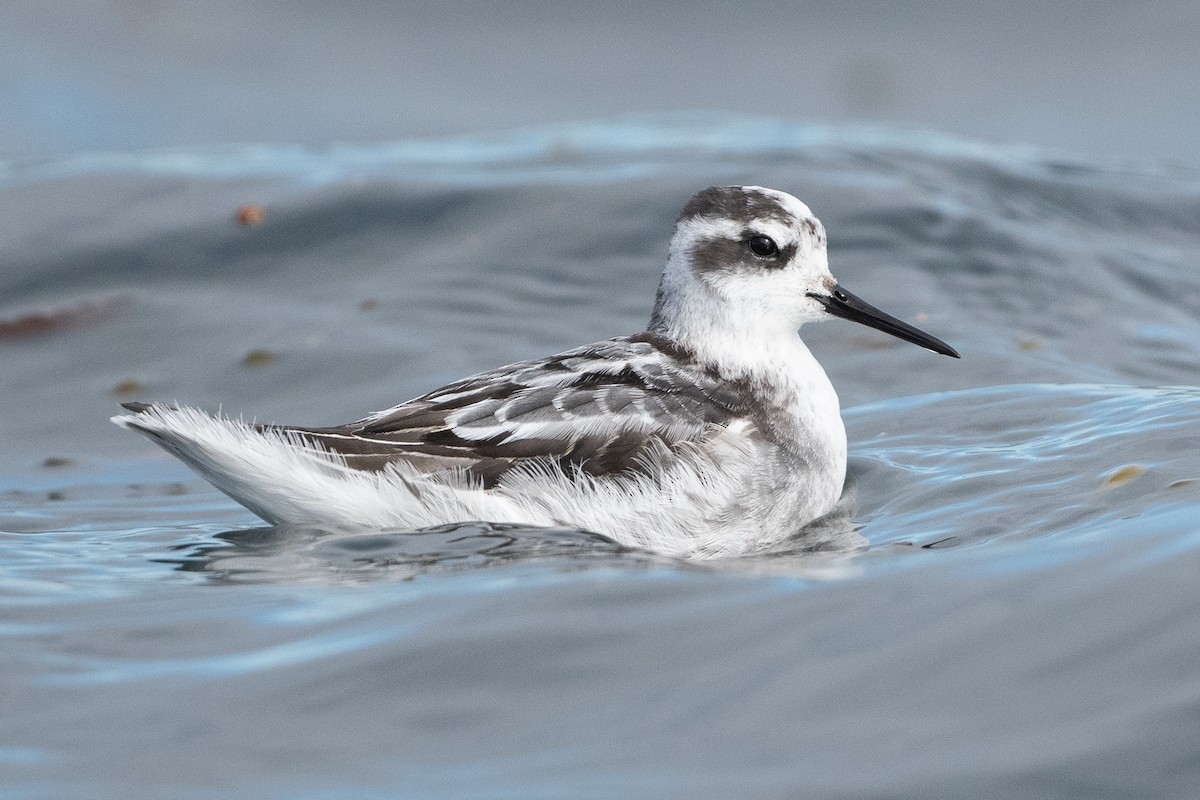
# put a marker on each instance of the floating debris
(259, 358)
(57, 462)
(370, 304)
(1183, 484)
(1029, 344)
(127, 387)
(250, 215)
(81, 315)
(1124, 475)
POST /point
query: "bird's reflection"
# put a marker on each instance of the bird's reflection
(290, 553)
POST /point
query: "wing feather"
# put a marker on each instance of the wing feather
(599, 409)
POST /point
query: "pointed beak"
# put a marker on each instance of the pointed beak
(842, 304)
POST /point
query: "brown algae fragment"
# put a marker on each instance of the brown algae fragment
(250, 215)
(127, 387)
(1126, 474)
(259, 358)
(54, 320)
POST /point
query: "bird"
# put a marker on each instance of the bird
(714, 432)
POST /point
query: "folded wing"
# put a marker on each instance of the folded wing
(600, 409)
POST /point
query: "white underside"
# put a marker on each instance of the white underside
(727, 495)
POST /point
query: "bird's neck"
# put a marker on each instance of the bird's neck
(777, 368)
(759, 350)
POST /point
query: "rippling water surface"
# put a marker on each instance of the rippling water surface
(1005, 604)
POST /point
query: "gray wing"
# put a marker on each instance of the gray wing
(598, 408)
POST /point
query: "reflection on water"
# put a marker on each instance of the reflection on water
(293, 553)
(301, 553)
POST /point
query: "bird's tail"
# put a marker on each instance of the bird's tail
(272, 472)
(286, 476)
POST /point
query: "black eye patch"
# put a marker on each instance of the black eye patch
(720, 254)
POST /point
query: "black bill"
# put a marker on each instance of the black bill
(842, 304)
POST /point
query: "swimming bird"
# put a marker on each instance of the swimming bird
(713, 432)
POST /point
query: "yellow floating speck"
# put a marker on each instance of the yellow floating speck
(1126, 474)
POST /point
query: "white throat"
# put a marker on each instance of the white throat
(735, 341)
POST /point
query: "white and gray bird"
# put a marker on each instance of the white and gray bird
(713, 432)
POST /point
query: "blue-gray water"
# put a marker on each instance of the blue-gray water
(1020, 620)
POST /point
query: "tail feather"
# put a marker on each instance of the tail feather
(285, 477)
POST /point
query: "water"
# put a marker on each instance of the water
(1004, 606)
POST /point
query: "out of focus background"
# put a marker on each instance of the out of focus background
(1110, 79)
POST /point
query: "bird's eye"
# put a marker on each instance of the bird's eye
(763, 246)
